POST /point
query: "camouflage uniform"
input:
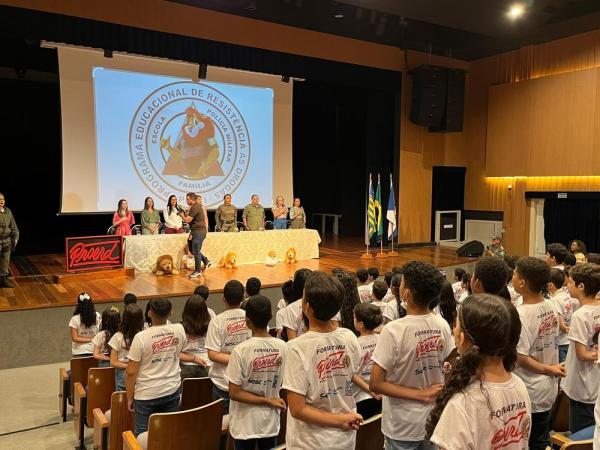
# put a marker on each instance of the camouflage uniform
(226, 217)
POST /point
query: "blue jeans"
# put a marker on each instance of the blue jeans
(197, 240)
(581, 415)
(539, 438)
(103, 363)
(280, 224)
(562, 352)
(220, 393)
(145, 408)
(250, 444)
(120, 379)
(391, 444)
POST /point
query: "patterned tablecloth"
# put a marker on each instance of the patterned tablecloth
(251, 247)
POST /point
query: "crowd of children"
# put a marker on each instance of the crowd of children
(347, 346)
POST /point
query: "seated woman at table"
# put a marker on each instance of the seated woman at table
(297, 215)
(123, 219)
(280, 212)
(173, 222)
(150, 217)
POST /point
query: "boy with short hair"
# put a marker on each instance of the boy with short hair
(203, 291)
(457, 285)
(379, 291)
(253, 286)
(565, 306)
(153, 379)
(583, 375)
(365, 287)
(373, 274)
(408, 360)
(225, 332)
(489, 276)
(318, 373)
(555, 255)
(255, 374)
(129, 299)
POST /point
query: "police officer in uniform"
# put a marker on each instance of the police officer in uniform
(226, 215)
(9, 236)
(254, 215)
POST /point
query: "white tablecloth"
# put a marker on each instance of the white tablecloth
(251, 247)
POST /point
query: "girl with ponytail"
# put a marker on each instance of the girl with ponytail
(483, 405)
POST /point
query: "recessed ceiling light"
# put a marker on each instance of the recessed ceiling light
(515, 11)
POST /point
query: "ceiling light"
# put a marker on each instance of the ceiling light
(516, 10)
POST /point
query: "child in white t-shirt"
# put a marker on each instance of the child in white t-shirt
(395, 308)
(379, 292)
(195, 318)
(292, 319)
(153, 382)
(318, 374)
(483, 406)
(111, 319)
(583, 376)
(387, 278)
(367, 317)
(565, 306)
(365, 285)
(457, 288)
(84, 325)
(254, 374)
(409, 358)
(537, 350)
(132, 323)
(287, 290)
(225, 332)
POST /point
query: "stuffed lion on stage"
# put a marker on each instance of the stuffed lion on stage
(229, 261)
(165, 266)
(290, 256)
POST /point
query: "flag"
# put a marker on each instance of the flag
(378, 211)
(391, 213)
(371, 222)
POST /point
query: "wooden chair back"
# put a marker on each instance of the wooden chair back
(369, 435)
(560, 413)
(182, 430)
(101, 385)
(196, 392)
(564, 443)
(79, 371)
(121, 419)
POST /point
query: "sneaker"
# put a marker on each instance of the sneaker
(195, 274)
(207, 264)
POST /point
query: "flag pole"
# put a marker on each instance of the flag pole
(381, 253)
(392, 192)
(367, 254)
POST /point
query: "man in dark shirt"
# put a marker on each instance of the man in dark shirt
(196, 218)
(9, 235)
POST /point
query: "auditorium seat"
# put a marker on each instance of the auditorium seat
(196, 392)
(109, 434)
(369, 435)
(136, 230)
(560, 413)
(111, 230)
(100, 386)
(79, 369)
(564, 443)
(181, 430)
(241, 226)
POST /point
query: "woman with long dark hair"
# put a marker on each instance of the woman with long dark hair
(150, 217)
(579, 250)
(123, 219)
(173, 221)
(471, 412)
(195, 318)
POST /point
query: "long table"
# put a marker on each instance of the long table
(250, 247)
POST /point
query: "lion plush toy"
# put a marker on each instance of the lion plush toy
(271, 259)
(290, 256)
(229, 261)
(165, 266)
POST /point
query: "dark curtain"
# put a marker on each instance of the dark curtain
(568, 219)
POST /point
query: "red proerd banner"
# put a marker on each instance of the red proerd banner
(94, 252)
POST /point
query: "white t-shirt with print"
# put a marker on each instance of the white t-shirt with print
(256, 365)
(99, 340)
(78, 348)
(367, 346)
(565, 306)
(365, 293)
(319, 367)
(412, 351)
(583, 377)
(157, 350)
(597, 418)
(539, 337)
(388, 296)
(225, 331)
(117, 343)
(196, 346)
(488, 416)
(281, 304)
(457, 289)
(292, 317)
(391, 310)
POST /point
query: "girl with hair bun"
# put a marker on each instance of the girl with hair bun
(84, 325)
(483, 405)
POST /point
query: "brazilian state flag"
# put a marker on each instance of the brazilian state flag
(378, 210)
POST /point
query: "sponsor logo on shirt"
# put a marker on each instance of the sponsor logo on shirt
(547, 325)
(429, 345)
(236, 327)
(264, 362)
(337, 360)
(515, 429)
(165, 343)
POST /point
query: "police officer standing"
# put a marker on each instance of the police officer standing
(226, 215)
(254, 215)
(9, 236)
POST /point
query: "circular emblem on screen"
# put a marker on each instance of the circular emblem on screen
(189, 137)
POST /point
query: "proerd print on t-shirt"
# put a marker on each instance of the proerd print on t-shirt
(547, 327)
(266, 361)
(429, 344)
(164, 347)
(235, 327)
(517, 425)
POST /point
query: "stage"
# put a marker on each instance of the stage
(36, 276)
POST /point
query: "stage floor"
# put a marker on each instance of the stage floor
(34, 275)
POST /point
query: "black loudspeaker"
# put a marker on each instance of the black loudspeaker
(471, 248)
(438, 95)
(428, 95)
